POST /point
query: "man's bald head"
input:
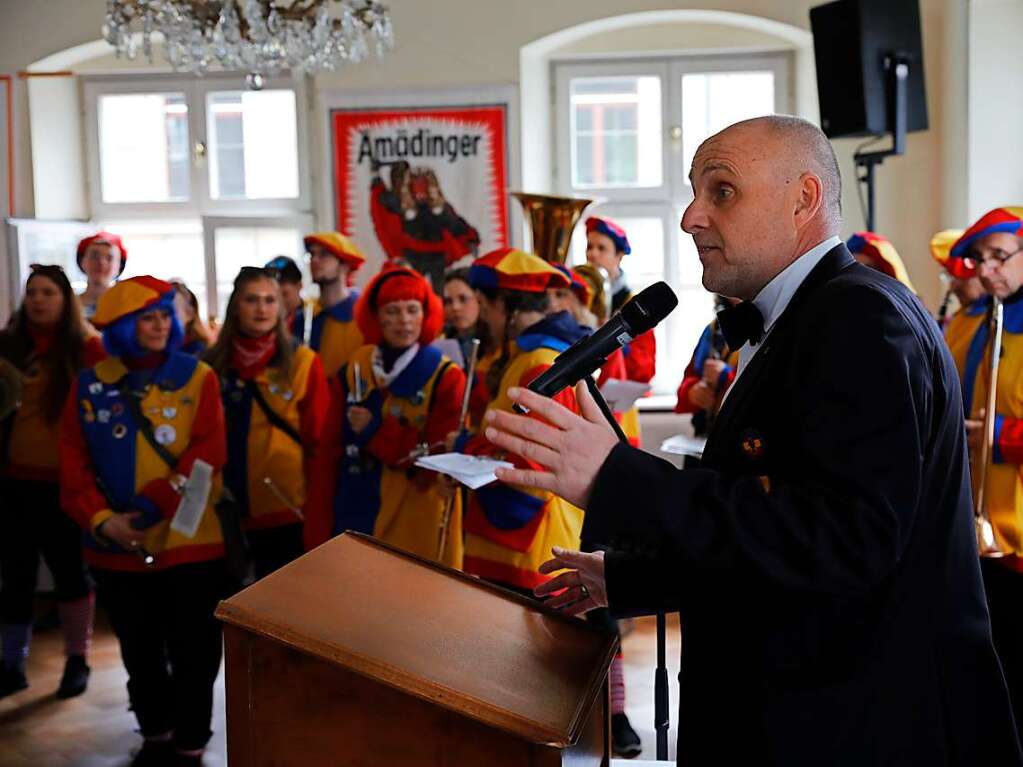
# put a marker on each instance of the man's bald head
(765, 191)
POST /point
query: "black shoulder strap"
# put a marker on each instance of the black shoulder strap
(275, 418)
(144, 424)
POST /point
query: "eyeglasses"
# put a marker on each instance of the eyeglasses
(997, 256)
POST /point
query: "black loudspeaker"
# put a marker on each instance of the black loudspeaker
(854, 42)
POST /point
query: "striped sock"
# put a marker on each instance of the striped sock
(15, 638)
(76, 622)
(617, 682)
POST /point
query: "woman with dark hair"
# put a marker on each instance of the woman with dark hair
(391, 397)
(102, 258)
(43, 347)
(275, 399)
(510, 530)
(198, 337)
(137, 429)
(462, 314)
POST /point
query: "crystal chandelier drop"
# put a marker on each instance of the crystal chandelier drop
(261, 37)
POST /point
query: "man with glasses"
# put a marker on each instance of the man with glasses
(991, 248)
(333, 260)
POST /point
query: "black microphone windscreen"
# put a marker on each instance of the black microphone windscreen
(648, 307)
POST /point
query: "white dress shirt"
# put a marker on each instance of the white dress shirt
(774, 297)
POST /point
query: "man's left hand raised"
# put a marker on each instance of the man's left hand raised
(572, 448)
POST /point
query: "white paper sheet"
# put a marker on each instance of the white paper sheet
(193, 500)
(683, 444)
(622, 395)
(472, 471)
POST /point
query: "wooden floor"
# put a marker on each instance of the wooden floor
(97, 730)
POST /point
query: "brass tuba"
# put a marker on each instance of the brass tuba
(987, 545)
(551, 221)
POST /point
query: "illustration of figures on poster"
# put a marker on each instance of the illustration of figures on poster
(425, 187)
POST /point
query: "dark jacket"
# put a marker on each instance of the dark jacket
(823, 557)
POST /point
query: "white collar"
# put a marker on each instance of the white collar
(385, 379)
(774, 297)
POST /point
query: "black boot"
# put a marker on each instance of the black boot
(12, 680)
(624, 740)
(75, 679)
(155, 753)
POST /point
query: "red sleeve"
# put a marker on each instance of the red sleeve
(323, 473)
(93, 352)
(80, 497)
(386, 222)
(684, 405)
(641, 358)
(447, 405)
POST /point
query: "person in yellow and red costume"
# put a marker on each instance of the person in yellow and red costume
(606, 245)
(134, 427)
(708, 375)
(993, 247)
(45, 345)
(333, 260)
(875, 251)
(102, 258)
(963, 283)
(275, 400)
(392, 396)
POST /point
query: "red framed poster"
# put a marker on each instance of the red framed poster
(426, 186)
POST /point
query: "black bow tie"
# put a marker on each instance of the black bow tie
(741, 323)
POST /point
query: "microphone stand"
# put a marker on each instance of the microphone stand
(661, 721)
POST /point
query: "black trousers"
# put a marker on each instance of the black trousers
(170, 644)
(34, 525)
(274, 547)
(1004, 589)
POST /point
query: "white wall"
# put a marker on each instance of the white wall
(995, 110)
(454, 42)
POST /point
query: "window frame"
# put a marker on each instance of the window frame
(670, 199)
(196, 91)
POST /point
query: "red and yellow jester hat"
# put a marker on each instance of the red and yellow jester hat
(398, 283)
(103, 238)
(609, 228)
(579, 286)
(881, 254)
(342, 247)
(1008, 220)
(130, 296)
(511, 269)
(941, 244)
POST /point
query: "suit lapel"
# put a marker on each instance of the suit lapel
(834, 261)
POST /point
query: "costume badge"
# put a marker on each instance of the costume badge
(288, 395)
(753, 445)
(87, 415)
(165, 434)
(103, 416)
(170, 412)
(117, 408)
(95, 388)
(120, 430)
(419, 398)
(273, 388)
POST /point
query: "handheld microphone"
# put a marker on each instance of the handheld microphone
(640, 314)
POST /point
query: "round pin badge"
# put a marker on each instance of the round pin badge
(165, 434)
(120, 430)
(170, 412)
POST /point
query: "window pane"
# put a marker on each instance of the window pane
(235, 247)
(168, 249)
(712, 101)
(616, 131)
(253, 145)
(143, 147)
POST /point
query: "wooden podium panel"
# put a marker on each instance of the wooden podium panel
(361, 654)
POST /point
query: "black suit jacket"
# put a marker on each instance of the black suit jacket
(823, 556)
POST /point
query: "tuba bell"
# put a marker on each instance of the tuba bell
(551, 221)
(987, 544)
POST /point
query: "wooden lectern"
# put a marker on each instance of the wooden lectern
(361, 654)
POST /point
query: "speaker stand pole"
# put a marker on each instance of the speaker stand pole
(661, 721)
(897, 65)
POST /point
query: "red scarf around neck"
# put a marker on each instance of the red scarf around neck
(250, 355)
(43, 337)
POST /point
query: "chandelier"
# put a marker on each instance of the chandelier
(261, 37)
